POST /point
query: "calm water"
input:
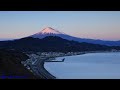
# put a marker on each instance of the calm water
(87, 66)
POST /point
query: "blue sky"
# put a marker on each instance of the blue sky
(85, 24)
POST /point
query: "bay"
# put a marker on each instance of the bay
(86, 66)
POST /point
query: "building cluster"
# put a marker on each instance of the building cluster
(33, 58)
(57, 54)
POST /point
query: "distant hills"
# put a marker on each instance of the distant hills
(50, 39)
(52, 43)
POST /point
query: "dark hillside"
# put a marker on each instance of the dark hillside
(10, 65)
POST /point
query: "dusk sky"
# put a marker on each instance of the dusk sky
(103, 25)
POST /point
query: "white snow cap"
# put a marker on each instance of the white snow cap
(49, 30)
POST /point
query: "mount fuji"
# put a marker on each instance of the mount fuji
(52, 32)
(51, 40)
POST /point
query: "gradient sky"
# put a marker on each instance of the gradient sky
(103, 25)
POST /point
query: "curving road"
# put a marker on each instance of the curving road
(39, 70)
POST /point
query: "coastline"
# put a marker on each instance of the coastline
(39, 70)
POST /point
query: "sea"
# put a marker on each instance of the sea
(86, 66)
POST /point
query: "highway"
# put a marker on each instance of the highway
(39, 70)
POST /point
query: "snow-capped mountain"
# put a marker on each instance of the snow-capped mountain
(49, 30)
(52, 32)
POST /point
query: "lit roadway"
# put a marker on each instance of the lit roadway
(39, 70)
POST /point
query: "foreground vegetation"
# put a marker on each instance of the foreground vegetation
(11, 67)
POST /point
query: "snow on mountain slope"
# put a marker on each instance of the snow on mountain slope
(49, 30)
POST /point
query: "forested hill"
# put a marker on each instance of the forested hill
(11, 67)
(52, 43)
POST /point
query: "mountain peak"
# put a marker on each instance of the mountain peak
(49, 30)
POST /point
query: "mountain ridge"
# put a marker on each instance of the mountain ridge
(52, 32)
(53, 44)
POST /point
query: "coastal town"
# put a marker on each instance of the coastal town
(36, 61)
(47, 56)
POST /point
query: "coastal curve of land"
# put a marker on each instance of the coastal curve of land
(35, 63)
